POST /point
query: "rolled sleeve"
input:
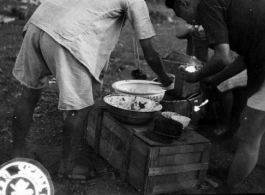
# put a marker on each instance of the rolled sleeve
(138, 15)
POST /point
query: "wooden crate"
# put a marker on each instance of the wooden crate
(151, 167)
(157, 168)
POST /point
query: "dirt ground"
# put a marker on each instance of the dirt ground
(46, 131)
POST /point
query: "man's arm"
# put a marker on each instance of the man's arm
(221, 59)
(183, 29)
(234, 68)
(154, 61)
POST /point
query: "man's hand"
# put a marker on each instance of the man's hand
(167, 81)
(190, 77)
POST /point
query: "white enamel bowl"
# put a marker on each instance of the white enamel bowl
(168, 114)
(148, 89)
(182, 119)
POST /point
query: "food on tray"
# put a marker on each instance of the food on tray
(133, 103)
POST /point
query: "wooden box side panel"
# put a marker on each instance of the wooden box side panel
(115, 144)
(178, 159)
(139, 154)
(174, 187)
(136, 178)
(176, 178)
(110, 127)
(114, 157)
(180, 155)
(138, 165)
(172, 182)
(177, 168)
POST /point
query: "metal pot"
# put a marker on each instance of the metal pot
(131, 117)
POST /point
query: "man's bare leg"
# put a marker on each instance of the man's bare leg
(22, 119)
(73, 130)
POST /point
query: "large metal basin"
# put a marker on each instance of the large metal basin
(131, 117)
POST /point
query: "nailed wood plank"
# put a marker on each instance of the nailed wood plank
(110, 125)
(191, 137)
(182, 149)
(205, 158)
(206, 152)
(179, 159)
(174, 187)
(177, 177)
(136, 178)
(138, 160)
(177, 169)
(110, 154)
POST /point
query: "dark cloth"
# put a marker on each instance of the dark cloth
(241, 24)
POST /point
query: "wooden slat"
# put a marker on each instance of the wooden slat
(206, 152)
(191, 137)
(182, 149)
(187, 138)
(138, 160)
(127, 157)
(115, 141)
(177, 177)
(146, 170)
(177, 169)
(154, 157)
(174, 187)
(179, 159)
(111, 155)
(153, 161)
(201, 177)
(136, 178)
(139, 154)
(205, 158)
(119, 130)
(140, 147)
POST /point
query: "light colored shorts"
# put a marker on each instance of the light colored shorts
(41, 56)
(239, 80)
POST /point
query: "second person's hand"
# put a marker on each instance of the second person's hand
(190, 77)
